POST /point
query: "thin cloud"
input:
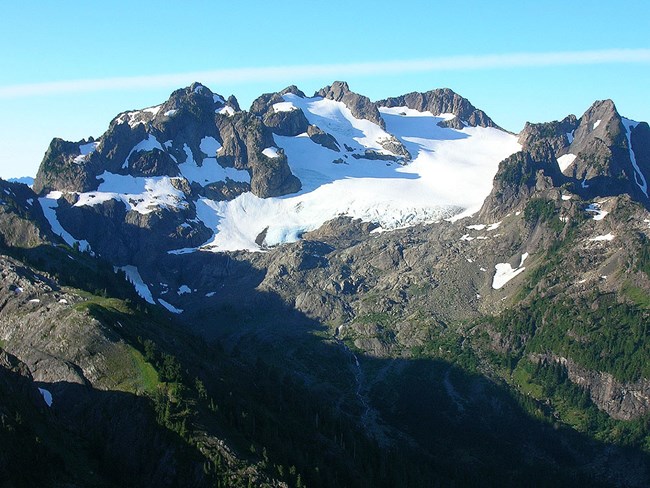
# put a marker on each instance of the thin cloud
(314, 71)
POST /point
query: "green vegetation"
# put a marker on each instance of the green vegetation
(639, 296)
(541, 210)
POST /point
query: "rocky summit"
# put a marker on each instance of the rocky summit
(329, 291)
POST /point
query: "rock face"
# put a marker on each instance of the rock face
(604, 150)
(520, 176)
(623, 401)
(558, 134)
(442, 101)
(153, 142)
(321, 137)
(22, 223)
(360, 106)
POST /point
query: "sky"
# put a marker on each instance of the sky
(67, 68)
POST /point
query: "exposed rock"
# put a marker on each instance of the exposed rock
(59, 169)
(623, 401)
(244, 139)
(360, 106)
(321, 137)
(396, 147)
(22, 223)
(441, 101)
(558, 134)
(519, 177)
(290, 123)
(376, 156)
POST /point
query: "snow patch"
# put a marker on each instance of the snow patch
(505, 272)
(49, 203)
(271, 152)
(170, 307)
(639, 178)
(170, 113)
(209, 146)
(47, 396)
(210, 170)
(140, 286)
(226, 110)
(85, 150)
(183, 289)
(606, 237)
(148, 144)
(596, 124)
(566, 197)
(595, 209)
(565, 161)
(211, 294)
(284, 107)
(569, 136)
(141, 194)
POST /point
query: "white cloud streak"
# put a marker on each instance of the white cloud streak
(315, 71)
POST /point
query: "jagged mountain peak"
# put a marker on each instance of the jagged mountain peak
(360, 105)
(442, 101)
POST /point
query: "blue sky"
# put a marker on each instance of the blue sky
(49, 46)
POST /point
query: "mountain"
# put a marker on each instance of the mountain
(330, 291)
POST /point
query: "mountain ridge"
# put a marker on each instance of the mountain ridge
(495, 331)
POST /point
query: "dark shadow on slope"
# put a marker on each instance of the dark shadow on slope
(284, 394)
(119, 434)
(437, 423)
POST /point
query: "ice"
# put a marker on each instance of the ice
(565, 161)
(271, 152)
(170, 307)
(140, 286)
(49, 203)
(505, 273)
(47, 396)
(183, 289)
(606, 237)
(450, 174)
(638, 175)
(148, 144)
(596, 124)
(209, 146)
(284, 107)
